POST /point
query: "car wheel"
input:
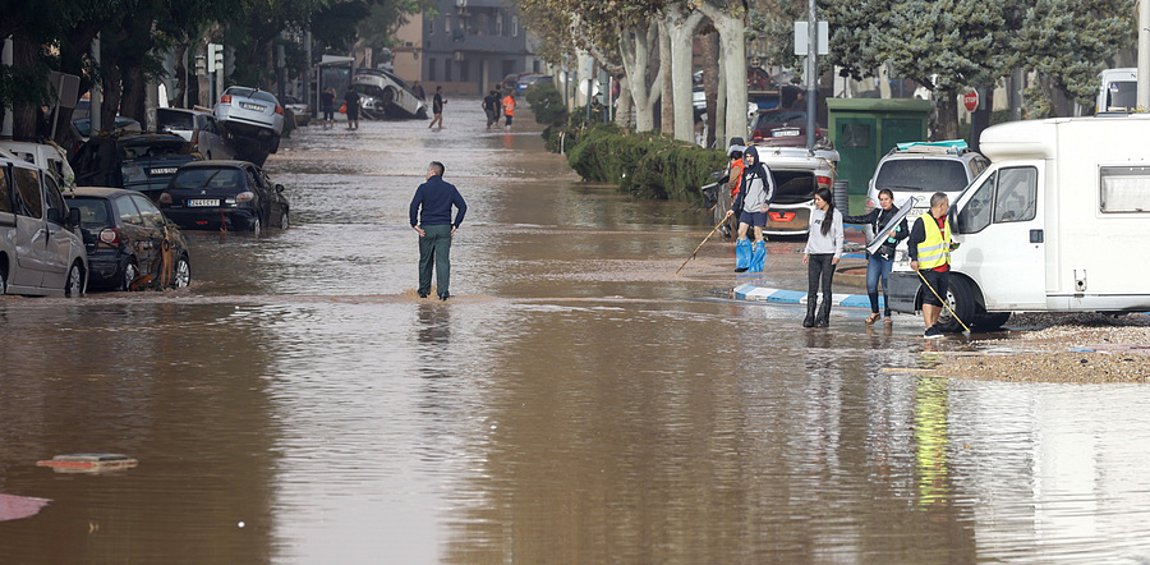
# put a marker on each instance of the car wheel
(131, 272)
(284, 222)
(74, 285)
(182, 276)
(3, 283)
(960, 298)
(257, 227)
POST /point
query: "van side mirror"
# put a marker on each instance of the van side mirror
(73, 217)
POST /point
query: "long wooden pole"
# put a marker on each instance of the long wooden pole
(696, 251)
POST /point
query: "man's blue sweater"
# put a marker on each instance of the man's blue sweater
(436, 197)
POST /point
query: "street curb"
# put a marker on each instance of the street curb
(754, 293)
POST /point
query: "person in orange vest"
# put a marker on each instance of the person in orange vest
(734, 181)
(509, 108)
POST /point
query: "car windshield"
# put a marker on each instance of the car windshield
(154, 148)
(780, 117)
(265, 96)
(93, 212)
(922, 175)
(215, 179)
(175, 120)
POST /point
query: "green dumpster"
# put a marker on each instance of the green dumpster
(865, 129)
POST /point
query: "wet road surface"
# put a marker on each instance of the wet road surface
(574, 403)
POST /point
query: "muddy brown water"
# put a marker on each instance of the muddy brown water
(574, 403)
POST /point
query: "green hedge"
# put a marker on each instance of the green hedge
(644, 165)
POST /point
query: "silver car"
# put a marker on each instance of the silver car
(254, 120)
(199, 128)
(41, 250)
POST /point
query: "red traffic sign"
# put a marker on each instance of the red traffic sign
(970, 100)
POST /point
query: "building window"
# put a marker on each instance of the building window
(498, 23)
(431, 70)
(447, 24)
(447, 64)
(514, 26)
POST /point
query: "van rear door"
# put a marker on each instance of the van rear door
(1000, 226)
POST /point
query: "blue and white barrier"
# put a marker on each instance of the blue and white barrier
(755, 293)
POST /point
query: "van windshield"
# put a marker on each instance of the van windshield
(922, 175)
(1122, 95)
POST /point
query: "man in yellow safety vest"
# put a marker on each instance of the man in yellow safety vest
(929, 247)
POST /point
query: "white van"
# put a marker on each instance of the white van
(1117, 90)
(1055, 224)
(47, 156)
(41, 250)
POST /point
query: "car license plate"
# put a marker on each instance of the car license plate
(249, 106)
(791, 132)
(200, 202)
(163, 171)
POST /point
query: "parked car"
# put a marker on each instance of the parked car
(920, 169)
(299, 110)
(41, 252)
(198, 127)
(130, 244)
(234, 195)
(797, 174)
(47, 156)
(254, 120)
(525, 82)
(83, 127)
(143, 162)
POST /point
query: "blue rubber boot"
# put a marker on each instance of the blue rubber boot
(742, 255)
(758, 256)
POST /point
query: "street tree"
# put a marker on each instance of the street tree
(729, 18)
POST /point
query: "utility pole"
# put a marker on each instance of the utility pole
(812, 71)
(1144, 55)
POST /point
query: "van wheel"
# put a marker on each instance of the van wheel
(284, 221)
(991, 321)
(3, 283)
(960, 297)
(257, 227)
(74, 286)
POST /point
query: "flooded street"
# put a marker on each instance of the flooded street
(574, 402)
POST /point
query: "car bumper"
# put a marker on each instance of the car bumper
(105, 270)
(788, 219)
(212, 218)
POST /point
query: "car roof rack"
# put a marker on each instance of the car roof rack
(950, 146)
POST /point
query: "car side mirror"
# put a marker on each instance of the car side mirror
(73, 217)
(279, 188)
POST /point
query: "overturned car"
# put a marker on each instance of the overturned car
(385, 96)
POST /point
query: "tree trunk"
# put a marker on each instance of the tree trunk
(681, 29)
(25, 60)
(623, 105)
(721, 104)
(947, 107)
(635, 49)
(711, 83)
(667, 104)
(112, 90)
(730, 21)
(132, 104)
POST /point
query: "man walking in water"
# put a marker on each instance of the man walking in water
(351, 100)
(431, 217)
(437, 108)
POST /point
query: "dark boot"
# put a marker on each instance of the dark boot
(824, 318)
(809, 321)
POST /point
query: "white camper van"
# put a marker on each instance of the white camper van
(1056, 223)
(1117, 90)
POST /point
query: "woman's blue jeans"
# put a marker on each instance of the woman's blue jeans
(877, 268)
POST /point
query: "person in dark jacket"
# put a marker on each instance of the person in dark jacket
(437, 108)
(879, 263)
(430, 215)
(754, 201)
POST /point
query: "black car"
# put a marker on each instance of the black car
(144, 162)
(130, 244)
(228, 195)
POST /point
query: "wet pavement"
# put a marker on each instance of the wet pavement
(575, 402)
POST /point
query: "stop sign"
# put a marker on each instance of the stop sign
(970, 100)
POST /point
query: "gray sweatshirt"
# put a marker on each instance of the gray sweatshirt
(817, 243)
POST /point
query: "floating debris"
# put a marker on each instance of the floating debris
(88, 462)
(14, 507)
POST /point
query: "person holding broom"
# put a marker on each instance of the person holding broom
(754, 200)
(929, 247)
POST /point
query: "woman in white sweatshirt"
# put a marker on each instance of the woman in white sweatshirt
(824, 248)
